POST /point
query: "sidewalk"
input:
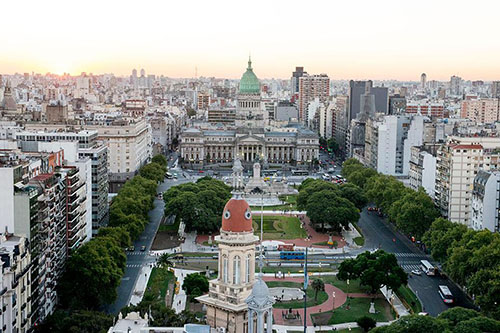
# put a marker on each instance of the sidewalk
(180, 299)
(393, 299)
(140, 285)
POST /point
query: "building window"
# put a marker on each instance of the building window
(236, 270)
(247, 270)
(224, 270)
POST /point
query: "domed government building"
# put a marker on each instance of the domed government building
(251, 138)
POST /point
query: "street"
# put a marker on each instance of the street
(138, 258)
(378, 233)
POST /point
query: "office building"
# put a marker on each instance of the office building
(422, 172)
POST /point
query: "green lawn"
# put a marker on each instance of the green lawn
(354, 286)
(409, 299)
(322, 296)
(346, 330)
(279, 227)
(158, 284)
(359, 241)
(359, 307)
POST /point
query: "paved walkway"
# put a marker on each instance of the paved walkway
(285, 328)
(329, 304)
(140, 285)
(180, 299)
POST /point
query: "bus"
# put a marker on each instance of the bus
(427, 267)
(446, 294)
(290, 255)
(286, 247)
(300, 173)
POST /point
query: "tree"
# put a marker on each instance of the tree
(92, 275)
(318, 285)
(374, 270)
(413, 324)
(360, 176)
(309, 187)
(160, 159)
(366, 323)
(414, 212)
(195, 285)
(326, 207)
(153, 171)
(80, 321)
(350, 165)
(354, 194)
(121, 235)
(165, 260)
(441, 236)
(333, 145)
(478, 324)
(458, 314)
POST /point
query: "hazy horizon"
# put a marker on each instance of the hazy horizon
(385, 40)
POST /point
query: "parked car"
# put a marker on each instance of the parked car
(143, 248)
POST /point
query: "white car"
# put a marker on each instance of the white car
(416, 272)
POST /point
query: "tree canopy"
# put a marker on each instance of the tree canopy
(199, 204)
(471, 258)
(195, 285)
(454, 320)
(160, 159)
(374, 270)
(80, 321)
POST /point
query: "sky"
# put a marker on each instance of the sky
(345, 39)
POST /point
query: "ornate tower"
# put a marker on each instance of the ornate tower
(249, 112)
(260, 306)
(225, 301)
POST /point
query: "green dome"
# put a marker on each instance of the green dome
(249, 83)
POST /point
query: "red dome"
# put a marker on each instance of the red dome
(237, 216)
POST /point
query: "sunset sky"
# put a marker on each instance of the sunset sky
(344, 39)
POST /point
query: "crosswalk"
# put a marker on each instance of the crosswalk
(410, 255)
(410, 267)
(136, 253)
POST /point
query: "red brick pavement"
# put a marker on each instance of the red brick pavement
(329, 304)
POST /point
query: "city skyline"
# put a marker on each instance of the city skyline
(343, 40)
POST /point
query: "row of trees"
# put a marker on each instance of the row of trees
(329, 204)
(199, 204)
(93, 272)
(471, 258)
(411, 211)
(455, 320)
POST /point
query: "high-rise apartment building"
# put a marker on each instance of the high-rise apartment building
(88, 147)
(422, 172)
(458, 162)
(455, 85)
(15, 294)
(294, 82)
(485, 205)
(423, 81)
(310, 88)
(495, 89)
(427, 108)
(483, 111)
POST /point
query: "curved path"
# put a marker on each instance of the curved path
(329, 304)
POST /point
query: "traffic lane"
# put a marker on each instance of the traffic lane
(378, 234)
(427, 292)
(127, 283)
